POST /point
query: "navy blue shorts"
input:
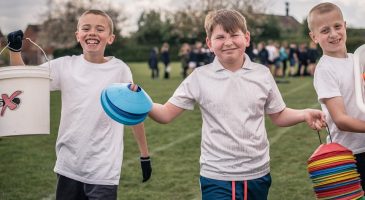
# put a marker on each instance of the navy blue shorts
(256, 189)
(360, 165)
(69, 189)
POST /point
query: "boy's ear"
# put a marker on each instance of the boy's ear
(209, 43)
(248, 38)
(313, 37)
(77, 36)
(111, 39)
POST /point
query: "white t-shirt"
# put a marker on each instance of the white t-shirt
(234, 142)
(89, 145)
(334, 77)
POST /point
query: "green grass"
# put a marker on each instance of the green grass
(26, 162)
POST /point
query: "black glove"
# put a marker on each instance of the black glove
(15, 40)
(146, 168)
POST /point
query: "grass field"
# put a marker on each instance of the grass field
(26, 162)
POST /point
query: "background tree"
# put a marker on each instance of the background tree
(152, 29)
(305, 29)
(61, 20)
(189, 21)
(269, 30)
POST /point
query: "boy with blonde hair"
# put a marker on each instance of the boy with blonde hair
(233, 94)
(89, 145)
(334, 81)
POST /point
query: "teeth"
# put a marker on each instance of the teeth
(335, 41)
(92, 42)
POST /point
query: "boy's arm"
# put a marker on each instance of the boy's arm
(164, 113)
(288, 117)
(15, 58)
(140, 137)
(343, 121)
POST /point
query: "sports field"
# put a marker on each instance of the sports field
(26, 162)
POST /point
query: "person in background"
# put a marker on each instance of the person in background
(184, 59)
(165, 58)
(293, 58)
(153, 63)
(263, 54)
(313, 55)
(283, 55)
(302, 60)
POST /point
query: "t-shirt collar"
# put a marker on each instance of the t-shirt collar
(217, 66)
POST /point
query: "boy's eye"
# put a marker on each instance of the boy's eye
(337, 27)
(100, 28)
(324, 31)
(85, 28)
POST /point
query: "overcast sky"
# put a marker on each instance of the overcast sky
(17, 14)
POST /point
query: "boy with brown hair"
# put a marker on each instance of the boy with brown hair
(233, 94)
(334, 81)
(89, 145)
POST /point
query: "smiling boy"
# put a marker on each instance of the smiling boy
(89, 145)
(233, 94)
(334, 81)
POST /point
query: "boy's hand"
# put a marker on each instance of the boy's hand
(146, 168)
(315, 119)
(133, 87)
(15, 41)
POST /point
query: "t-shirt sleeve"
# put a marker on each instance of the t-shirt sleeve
(325, 84)
(274, 102)
(55, 70)
(185, 95)
(126, 76)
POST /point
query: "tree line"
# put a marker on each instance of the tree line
(155, 27)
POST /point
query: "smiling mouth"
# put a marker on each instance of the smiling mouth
(92, 41)
(335, 41)
(229, 51)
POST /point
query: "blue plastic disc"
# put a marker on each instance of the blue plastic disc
(122, 112)
(118, 117)
(333, 170)
(134, 102)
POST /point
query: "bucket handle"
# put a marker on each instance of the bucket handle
(31, 41)
(329, 134)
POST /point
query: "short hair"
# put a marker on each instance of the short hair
(321, 8)
(230, 20)
(98, 12)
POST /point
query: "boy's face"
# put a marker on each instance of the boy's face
(329, 31)
(93, 33)
(228, 47)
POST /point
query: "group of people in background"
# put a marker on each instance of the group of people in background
(191, 57)
(165, 58)
(301, 58)
(283, 58)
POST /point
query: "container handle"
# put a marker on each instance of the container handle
(329, 134)
(31, 41)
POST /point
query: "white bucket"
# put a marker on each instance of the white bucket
(24, 100)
